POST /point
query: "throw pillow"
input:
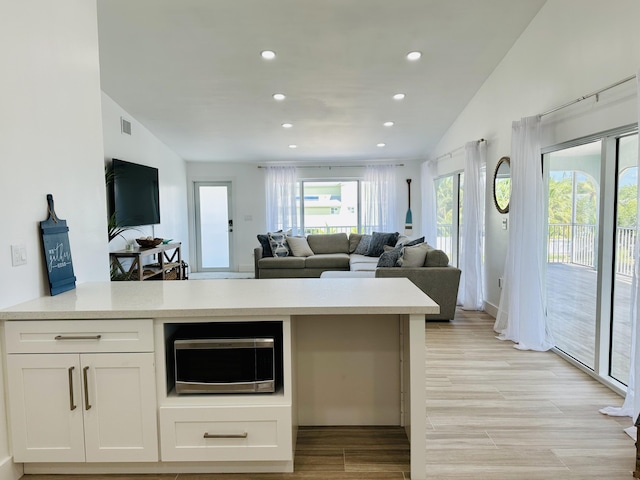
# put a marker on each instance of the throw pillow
(413, 256)
(379, 240)
(354, 241)
(390, 257)
(363, 246)
(278, 242)
(299, 246)
(263, 238)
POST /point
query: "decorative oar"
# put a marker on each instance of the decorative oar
(408, 220)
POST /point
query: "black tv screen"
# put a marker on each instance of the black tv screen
(136, 194)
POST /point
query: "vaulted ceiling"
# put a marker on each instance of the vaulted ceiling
(191, 72)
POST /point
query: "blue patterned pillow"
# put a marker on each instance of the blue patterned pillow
(279, 245)
(379, 240)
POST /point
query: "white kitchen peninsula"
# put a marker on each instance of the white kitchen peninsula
(353, 353)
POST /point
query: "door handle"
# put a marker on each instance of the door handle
(72, 403)
(85, 376)
(77, 337)
(225, 435)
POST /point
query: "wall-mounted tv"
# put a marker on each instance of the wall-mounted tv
(135, 194)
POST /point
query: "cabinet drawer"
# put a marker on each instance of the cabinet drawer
(248, 433)
(79, 336)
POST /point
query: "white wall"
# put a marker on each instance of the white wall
(571, 48)
(51, 131)
(248, 191)
(50, 142)
(144, 148)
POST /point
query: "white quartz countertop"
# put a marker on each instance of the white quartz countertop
(234, 297)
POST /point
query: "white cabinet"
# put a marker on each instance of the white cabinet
(81, 407)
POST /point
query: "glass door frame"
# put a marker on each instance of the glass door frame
(197, 226)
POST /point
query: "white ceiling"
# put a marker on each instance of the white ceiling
(191, 72)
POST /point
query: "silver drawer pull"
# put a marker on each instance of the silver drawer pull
(226, 435)
(77, 337)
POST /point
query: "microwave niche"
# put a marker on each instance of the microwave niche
(225, 365)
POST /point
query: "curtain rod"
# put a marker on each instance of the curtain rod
(450, 154)
(334, 166)
(584, 97)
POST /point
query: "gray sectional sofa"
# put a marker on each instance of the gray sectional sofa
(339, 252)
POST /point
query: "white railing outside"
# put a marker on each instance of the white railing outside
(576, 244)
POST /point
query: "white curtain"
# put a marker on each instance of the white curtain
(471, 292)
(429, 219)
(380, 199)
(521, 314)
(281, 184)
(631, 404)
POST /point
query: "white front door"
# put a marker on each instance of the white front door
(214, 226)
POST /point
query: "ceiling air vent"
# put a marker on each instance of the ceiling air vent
(125, 126)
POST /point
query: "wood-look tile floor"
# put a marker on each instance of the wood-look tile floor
(493, 413)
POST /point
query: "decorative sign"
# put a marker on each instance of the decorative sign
(57, 252)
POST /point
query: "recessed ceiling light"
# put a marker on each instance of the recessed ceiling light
(414, 56)
(287, 125)
(268, 54)
(388, 124)
(399, 96)
(278, 96)
(293, 146)
(381, 145)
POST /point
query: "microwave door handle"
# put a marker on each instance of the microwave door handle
(225, 435)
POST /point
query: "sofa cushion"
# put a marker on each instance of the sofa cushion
(278, 242)
(363, 245)
(329, 243)
(379, 240)
(436, 258)
(299, 247)
(281, 262)
(328, 261)
(362, 263)
(354, 241)
(413, 256)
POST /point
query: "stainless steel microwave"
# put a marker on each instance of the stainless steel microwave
(225, 365)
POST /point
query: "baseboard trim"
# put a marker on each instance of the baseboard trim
(491, 309)
(9, 470)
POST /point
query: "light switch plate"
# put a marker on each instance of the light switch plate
(18, 255)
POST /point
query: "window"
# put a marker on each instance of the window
(449, 191)
(330, 206)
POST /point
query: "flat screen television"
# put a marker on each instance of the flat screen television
(135, 194)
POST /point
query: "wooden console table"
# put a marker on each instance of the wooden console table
(169, 260)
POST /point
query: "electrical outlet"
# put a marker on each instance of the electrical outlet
(504, 223)
(18, 255)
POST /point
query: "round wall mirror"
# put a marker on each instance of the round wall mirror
(502, 185)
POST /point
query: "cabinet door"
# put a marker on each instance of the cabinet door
(45, 408)
(120, 419)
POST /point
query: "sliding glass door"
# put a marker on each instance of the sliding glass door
(591, 191)
(573, 186)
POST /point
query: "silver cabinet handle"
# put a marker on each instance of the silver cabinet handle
(77, 337)
(225, 435)
(87, 406)
(72, 403)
